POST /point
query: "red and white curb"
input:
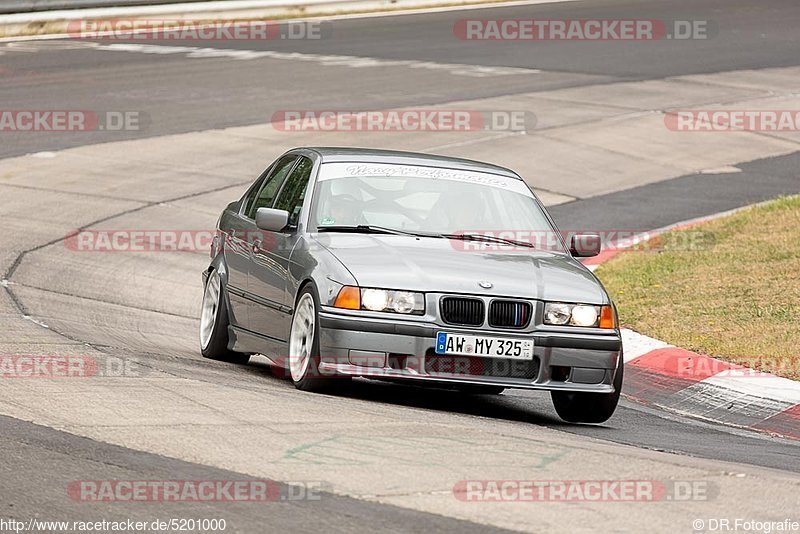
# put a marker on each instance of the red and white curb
(685, 382)
(689, 383)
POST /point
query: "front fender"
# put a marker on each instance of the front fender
(311, 262)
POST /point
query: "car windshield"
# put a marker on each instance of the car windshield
(425, 200)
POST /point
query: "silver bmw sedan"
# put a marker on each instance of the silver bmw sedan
(343, 262)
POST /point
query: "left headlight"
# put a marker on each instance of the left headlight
(383, 300)
(558, 313)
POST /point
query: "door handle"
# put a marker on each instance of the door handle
(257, 245)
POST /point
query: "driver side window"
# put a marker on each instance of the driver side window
(294, 191)
(266, 194)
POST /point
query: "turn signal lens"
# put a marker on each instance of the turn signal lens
(607, 317)
(349, 298)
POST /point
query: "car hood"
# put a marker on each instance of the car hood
(441, 265)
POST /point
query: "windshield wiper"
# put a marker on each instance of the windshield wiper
(488, 239)
(372, 229)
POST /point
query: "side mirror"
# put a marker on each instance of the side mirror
(585, 245)
(271, 220)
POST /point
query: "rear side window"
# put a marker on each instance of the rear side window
(266, 195)
(294, 191)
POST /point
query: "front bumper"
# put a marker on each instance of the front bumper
(405, 350)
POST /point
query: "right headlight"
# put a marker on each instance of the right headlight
(559, 313)
(382, 300)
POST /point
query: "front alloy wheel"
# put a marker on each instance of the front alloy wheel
(304, 344)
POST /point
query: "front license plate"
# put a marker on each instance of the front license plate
(483, 346)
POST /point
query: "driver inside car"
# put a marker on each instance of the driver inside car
(344, 210)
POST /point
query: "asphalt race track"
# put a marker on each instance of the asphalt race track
(187, 96)
(385, 456)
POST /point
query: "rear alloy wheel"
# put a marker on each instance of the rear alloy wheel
(304, 344)
(214, 324)
(576, 407)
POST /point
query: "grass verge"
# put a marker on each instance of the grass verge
(729, 288)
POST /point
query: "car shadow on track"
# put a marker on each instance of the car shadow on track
(512, 405)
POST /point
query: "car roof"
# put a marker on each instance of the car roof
(369, 155)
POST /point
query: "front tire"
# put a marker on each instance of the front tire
(576, 407)
(304, 351)
(214, 324)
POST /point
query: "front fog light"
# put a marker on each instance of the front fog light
(584, 315)
(555, 313)
(374, 299)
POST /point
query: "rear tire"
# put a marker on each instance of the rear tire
(576, 407)
(214, 324)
